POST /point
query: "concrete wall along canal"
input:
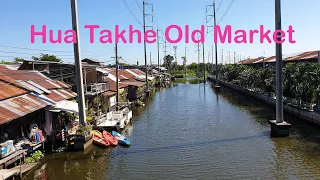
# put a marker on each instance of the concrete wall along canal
(312, 117)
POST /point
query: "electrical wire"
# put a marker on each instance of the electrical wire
(130, 11)
(139, 6)
(226, 12)
(219, 6)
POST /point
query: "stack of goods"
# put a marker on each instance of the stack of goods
(36, 135)
(7, 148)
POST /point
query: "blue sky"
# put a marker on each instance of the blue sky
(17, 17)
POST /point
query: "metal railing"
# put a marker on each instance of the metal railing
(96, 88)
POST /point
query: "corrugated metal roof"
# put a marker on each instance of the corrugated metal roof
(109, 93)
(21, 93)
(285, 57)
(16, 107)
(134, 83)
(60, 94)
(9, 90)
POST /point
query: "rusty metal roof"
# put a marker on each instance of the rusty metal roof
(16, 107)
(17, 97)
(61, 94)
(134, 83)
(9, 90)
(109, 93)
(286, 57)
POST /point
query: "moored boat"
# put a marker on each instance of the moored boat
(110, 138)
(121, 139)
(100, 141)
(97, 133)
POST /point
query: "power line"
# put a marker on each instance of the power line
(219, 5)
(137, 3)
(30, 54)
(132, 14)
(47, 50)
(226, 12)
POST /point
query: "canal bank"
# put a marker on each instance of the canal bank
(187, 131)
(312, 117)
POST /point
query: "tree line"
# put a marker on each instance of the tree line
(42, 57)
(300, 80)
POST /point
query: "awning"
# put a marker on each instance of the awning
(103, 71)
(64, 105)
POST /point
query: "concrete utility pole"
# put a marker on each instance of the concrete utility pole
(175, 55)
(78, 65)
(279, 112)
(198, 59)
(151, 65)
(185, 61)
(216, 47)
(279, 127)
(229, 58)
(263, 63)
(212, 54)
(144, 42)
(165, 53)
(158, 47)
(117, 76)
(234, 58)
(222, 56)
(204, 64)
(145, 47)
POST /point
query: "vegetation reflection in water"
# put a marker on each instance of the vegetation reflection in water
(189, 131)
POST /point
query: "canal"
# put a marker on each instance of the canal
(187, 131)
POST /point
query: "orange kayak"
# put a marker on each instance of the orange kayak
(111, 139)
(100, 141)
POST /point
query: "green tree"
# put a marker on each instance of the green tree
(46, 57)
(193, 66)
(5, 62)
(167, 61)
(123, 64)
(18, 59)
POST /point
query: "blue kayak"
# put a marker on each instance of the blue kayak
(121, 139)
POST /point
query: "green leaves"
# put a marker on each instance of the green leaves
(300, 80)
(35, 157)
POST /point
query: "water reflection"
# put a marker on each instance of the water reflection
(185, 134)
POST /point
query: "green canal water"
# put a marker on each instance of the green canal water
(187, 131)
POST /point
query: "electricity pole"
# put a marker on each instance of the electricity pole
(234, 58)
(78, 65)
(165, 54)
(279, 127)
(198, 51)
(117, 76)
(175, 56)
(212, 57)
(158, 47)
(279, 109)
(185, 61)
(222, 56)
(151, 64)
(204, 64)
(144, 42)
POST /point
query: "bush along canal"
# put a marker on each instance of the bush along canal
(187, 131)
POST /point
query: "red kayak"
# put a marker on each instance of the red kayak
(111, 139)
(100, 141)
